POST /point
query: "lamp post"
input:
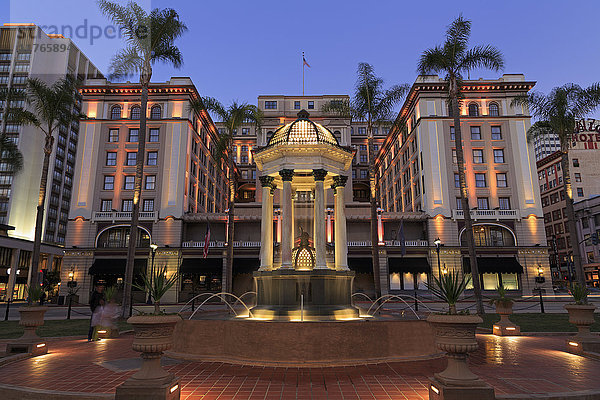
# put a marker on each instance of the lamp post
(540, 279)
(71, 287)
(153, 246)
(438, 244)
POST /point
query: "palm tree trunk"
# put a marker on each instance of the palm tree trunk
(135, 212)
(464, 199)
(39, 218)
(373, 200)
(571, 216)
(230, 228)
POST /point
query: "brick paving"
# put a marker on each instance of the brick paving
(511, 365)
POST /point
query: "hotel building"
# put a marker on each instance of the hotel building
(417, 173)
(182, 175)
(27, 52)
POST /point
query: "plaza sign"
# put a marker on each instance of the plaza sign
(586, 132)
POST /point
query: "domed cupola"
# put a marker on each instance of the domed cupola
(302, 131)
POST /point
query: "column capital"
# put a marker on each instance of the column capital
(319, 174)
(287, 174)
(339, 181)
(266, 181)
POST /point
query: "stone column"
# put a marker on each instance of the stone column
(319, 218)
(287, 218)
(266, 224)
(341, 239)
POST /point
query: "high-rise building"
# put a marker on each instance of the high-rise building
(27, 52)
(182, 175)
(417, 172)
(544, 145)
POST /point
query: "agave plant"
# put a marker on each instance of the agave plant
(448, 288)
(579, 293)
(109, 293)
(34, 293)
(501, 297)
(157, 284)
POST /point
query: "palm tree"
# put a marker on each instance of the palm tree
(374, 105)
(454, 59)
(51, 107)
(558, 113)
(150, 38)
(232, 118)
(9, 151)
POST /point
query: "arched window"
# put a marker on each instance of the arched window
(473, 110)
(115, 112)
(488, 235)
(118, 237)
(494, 110)
(155, 112)
(136, 112)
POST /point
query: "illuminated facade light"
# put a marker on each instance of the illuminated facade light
(435, 390)
(40, 345)
(574, 344)
(174, 388)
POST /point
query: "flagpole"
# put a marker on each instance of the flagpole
(302, 74)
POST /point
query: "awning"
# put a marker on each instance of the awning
(115, 266)
(487, 265)
(413, 265)
(201, 266)
(362, 265)
(245, 265)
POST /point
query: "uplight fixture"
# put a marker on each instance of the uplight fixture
(435, 390)
(574, 344)
(174, 388)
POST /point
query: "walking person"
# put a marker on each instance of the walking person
(97, 300)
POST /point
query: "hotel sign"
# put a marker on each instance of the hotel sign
(587, 132)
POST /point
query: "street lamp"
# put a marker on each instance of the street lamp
(153, 246)
(438, 244)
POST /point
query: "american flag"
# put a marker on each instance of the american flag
(304, 61)
(206, 239)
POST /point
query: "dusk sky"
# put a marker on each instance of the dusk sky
(241, 49)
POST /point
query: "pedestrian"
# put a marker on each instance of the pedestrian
(97, 301)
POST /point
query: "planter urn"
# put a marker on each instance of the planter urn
(505, 327)
(582, 316)
(31, 318)
(153, 334)
(455, 335)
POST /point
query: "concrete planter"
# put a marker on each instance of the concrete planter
(455, 334)
(505, 327)
(31, 318)
(152, 335)
(582, 316)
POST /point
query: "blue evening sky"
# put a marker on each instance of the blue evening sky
(239, 49)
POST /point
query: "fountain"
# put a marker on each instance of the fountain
(304, 312)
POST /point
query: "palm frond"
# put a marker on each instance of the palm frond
(432, 61)
(540, 128)
(10, 154)
(482, 57)
(459, 31)
(125, 63)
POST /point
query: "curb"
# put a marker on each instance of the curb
(12, 392)
(593, 394)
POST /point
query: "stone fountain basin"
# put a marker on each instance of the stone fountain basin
(303, 343)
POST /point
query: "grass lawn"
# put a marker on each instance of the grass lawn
(537, 322)
(53, 328)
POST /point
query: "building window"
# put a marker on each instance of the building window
(478, 156)
(498, 155)
(454, 159)
(115, 112)
(452, 133)
(456, 181)
(111, 158)
(480, 181)
(362, 130)
(311, 105)
(473, 110)
(133, 135)
(363, 174)
(475, 133)
(148, 205)
(494, 110)
(296, 105)
(458, 203)
(153, 136)
(363, 158)
(504, 203)
(129, 182)
(106, 205)
(113, 135)
(109, 182)
(576, 162)
(482, 203)
(270, 105)
(155, 112)
(579, 192)
(150, 182)
(136, 112)
(245, 131)
(496, 133)
(501, 180)
(152, 158)
(577, 177)
(131, 158)
(127, 206)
